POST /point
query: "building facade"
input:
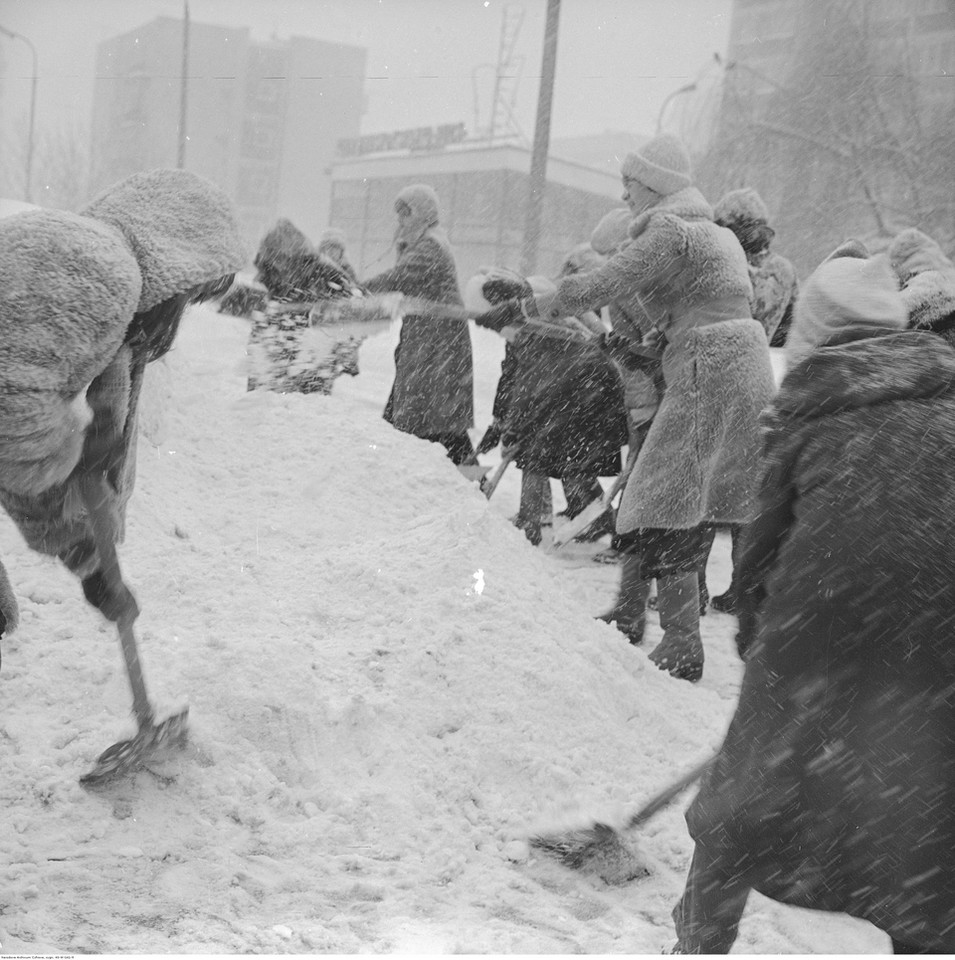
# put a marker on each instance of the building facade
(262, 118)
(483, 191)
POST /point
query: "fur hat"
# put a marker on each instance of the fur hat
(612, 231)
(744, 205)
(929, 296)
(842, 293)
(913, 252)
(331, 238)
(423, 202)
(662, 164)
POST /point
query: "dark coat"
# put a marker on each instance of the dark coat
(433, 392)
(835, 786)
(562, 401)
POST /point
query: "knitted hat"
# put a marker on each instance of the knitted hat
(843, 293)
(744, 205)
(662, 164)
(423, 202)
(332, 238)
(929, 297)
(612, 231)
(914, 252)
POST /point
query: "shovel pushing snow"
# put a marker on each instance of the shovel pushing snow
(126, 755)
(601, 849)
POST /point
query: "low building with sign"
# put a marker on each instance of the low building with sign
(483, 189)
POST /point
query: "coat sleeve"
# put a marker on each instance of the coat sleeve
(762, 541)
(411, 275)
(624, 275)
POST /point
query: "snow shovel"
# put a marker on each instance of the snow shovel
(126, 755)
(596, 509)
(489, 484)
(600, 849)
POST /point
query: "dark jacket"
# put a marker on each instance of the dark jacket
(433, 392)
(835, 786)
(562, 402)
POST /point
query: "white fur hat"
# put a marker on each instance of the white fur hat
(842, 293)
(912, 252)
(662, 164)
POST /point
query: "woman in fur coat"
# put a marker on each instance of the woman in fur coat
(86, 301)
(433, 392)
(697, 464)
(835, 786)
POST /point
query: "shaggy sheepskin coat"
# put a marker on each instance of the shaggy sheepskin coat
(71, 287)
(835, 786)
(433, 392)
(691, 278)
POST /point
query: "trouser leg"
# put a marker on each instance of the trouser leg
(535, 491)
(707, 915)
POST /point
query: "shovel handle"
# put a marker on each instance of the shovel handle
(668, 794)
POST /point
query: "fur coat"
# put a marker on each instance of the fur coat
(775, 288)
(71, 290)
(835, 786)
(691, 278)
(433, 391)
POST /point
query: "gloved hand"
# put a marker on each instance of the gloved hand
(114, 600)
(499, 288)
(491, 438)
(510, 444)
(506, 314)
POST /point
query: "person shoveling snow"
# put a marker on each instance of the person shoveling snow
(86, 301)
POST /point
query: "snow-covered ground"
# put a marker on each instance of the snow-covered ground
(389, 690)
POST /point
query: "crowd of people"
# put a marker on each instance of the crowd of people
(835, 785)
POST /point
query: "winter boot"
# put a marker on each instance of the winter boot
(629, 613)
(680, 652)
(535, 500)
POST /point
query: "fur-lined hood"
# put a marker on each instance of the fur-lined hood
(181, 229)
(862, 369)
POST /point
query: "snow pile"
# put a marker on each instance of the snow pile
(389, 688)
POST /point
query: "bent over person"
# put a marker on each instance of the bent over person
(86, 301)
(835, 786)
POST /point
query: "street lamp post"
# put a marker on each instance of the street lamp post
(686, 88)
(19, 36)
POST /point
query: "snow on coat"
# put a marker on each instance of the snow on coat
(70, 287)
(691, 278)
(433, 391)
(835, 786)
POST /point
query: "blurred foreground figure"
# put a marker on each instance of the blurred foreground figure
(835, 786)
(86, 301)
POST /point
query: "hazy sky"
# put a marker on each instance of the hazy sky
(617, 60)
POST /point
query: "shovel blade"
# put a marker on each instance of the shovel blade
(128, 755)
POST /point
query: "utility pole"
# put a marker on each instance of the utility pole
(181, 152)
(538, 179)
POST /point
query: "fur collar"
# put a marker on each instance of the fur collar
(687, 204)
(861, 369)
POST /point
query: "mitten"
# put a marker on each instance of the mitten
(505, 315)
(113, 600)
(499, 288)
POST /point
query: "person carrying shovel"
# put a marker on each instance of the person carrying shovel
(86, 301)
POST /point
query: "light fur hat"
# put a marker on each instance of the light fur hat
(423, 202)
(662, 164)
(912, 252)
(846, 292)
(929, 296)
(744, 204)
(612, 231)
